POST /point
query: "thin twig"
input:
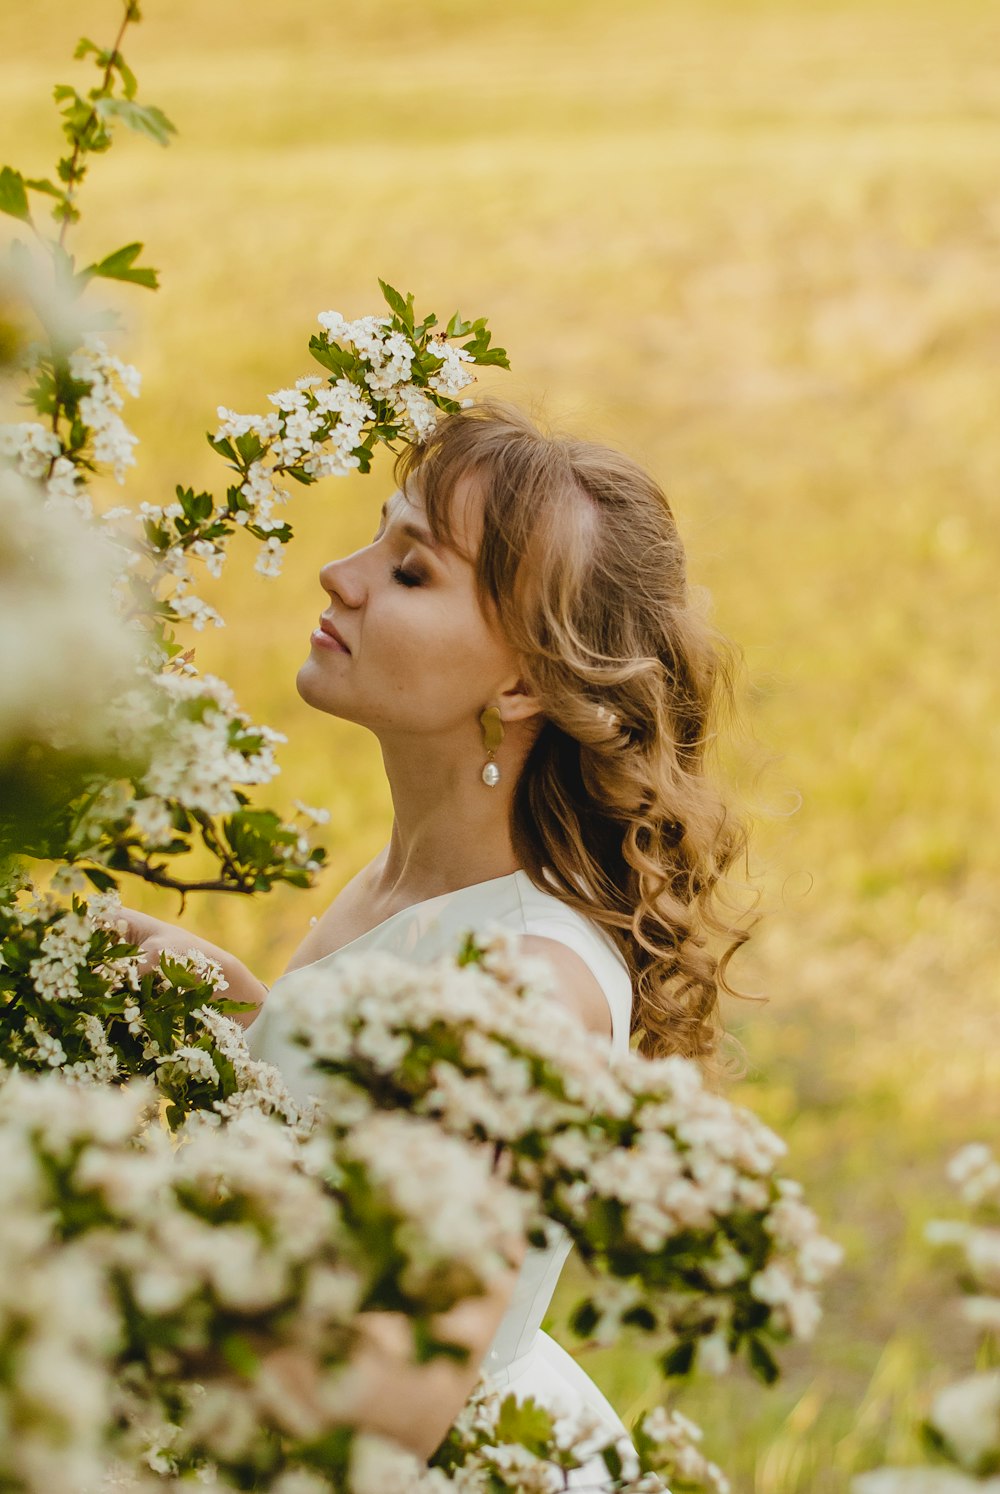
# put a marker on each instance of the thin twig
(93, 115)
(161, 878)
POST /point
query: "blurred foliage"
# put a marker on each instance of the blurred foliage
(755, 245)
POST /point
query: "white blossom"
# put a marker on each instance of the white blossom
(967, 1415)
(419, 413)
(936, 1480)
(112, 440)
(269, 558)
(982, 1312)
(453, 376)
(976, 1172)
(63, 950)
(65, 650)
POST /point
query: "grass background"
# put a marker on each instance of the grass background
(756, 245)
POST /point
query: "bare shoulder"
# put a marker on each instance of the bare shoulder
(576, 986)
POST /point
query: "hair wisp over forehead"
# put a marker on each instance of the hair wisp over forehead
(582, 563)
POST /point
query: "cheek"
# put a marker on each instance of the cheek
(437, 649)
(409, 643)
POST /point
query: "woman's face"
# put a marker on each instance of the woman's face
(422, 657)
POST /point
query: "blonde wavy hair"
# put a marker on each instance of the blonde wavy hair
(581, 563)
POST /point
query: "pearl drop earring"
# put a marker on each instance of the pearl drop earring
(492, 737)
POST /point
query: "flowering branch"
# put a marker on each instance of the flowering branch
(188, 750)
(669, 1193)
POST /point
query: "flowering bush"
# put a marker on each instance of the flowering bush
(962, 1429)
(78, 998)
(116, 756)
(218, 1278)
(668, 1192)
(185, 1307)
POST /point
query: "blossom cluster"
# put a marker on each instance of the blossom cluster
(669, 1192)
(420, 1214)
(506, 1446)
(388, 378)
(111, 748)
(94, 383)
(196, 1307)
(975, 1171)
(962, 1429)
(78, 998)
(65, 648)
(196, 749)
(220, 1373)
(189, 753)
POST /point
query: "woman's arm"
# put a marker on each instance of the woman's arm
(392, 1395)
(415, 1404)
(154, 937)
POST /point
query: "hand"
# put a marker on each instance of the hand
(151, 935)
(155, 938)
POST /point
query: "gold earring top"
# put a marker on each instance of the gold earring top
(492, 728)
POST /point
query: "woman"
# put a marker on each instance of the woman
(520, 638)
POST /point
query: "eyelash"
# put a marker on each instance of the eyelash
(405, 578)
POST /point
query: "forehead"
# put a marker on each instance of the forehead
(406, 510)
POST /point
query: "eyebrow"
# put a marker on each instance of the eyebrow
(416, 532)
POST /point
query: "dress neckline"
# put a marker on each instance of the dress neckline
(400, 912)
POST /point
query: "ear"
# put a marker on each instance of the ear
(516, 701)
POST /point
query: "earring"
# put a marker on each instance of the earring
(492, 737)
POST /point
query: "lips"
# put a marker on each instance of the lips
(326, 626)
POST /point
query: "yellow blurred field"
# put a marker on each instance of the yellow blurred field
(758, 246)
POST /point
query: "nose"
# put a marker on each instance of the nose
(338, 578)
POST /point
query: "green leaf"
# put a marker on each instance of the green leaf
(402, 307)
(612, 1461)
(494, 356)
(127, 76)
(762, 1361)
(585, 1319)
(42, 184)
(85, 45)
(13, 197)
(120, 266)
(300, 475)
(678, 1360)
(640, 1317)
(525, 1422)
(223, 446)
(337, 360)
(145, 119)
(239, 1355)
(249, 446)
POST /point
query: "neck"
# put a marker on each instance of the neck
(449, 829)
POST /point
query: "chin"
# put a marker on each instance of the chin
(308, 686)
(314, 690)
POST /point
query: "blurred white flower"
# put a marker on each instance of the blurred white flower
(967, 1415)
(63, 647)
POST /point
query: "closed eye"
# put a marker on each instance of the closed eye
(406, 578)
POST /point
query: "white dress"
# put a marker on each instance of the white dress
(521, 1358)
